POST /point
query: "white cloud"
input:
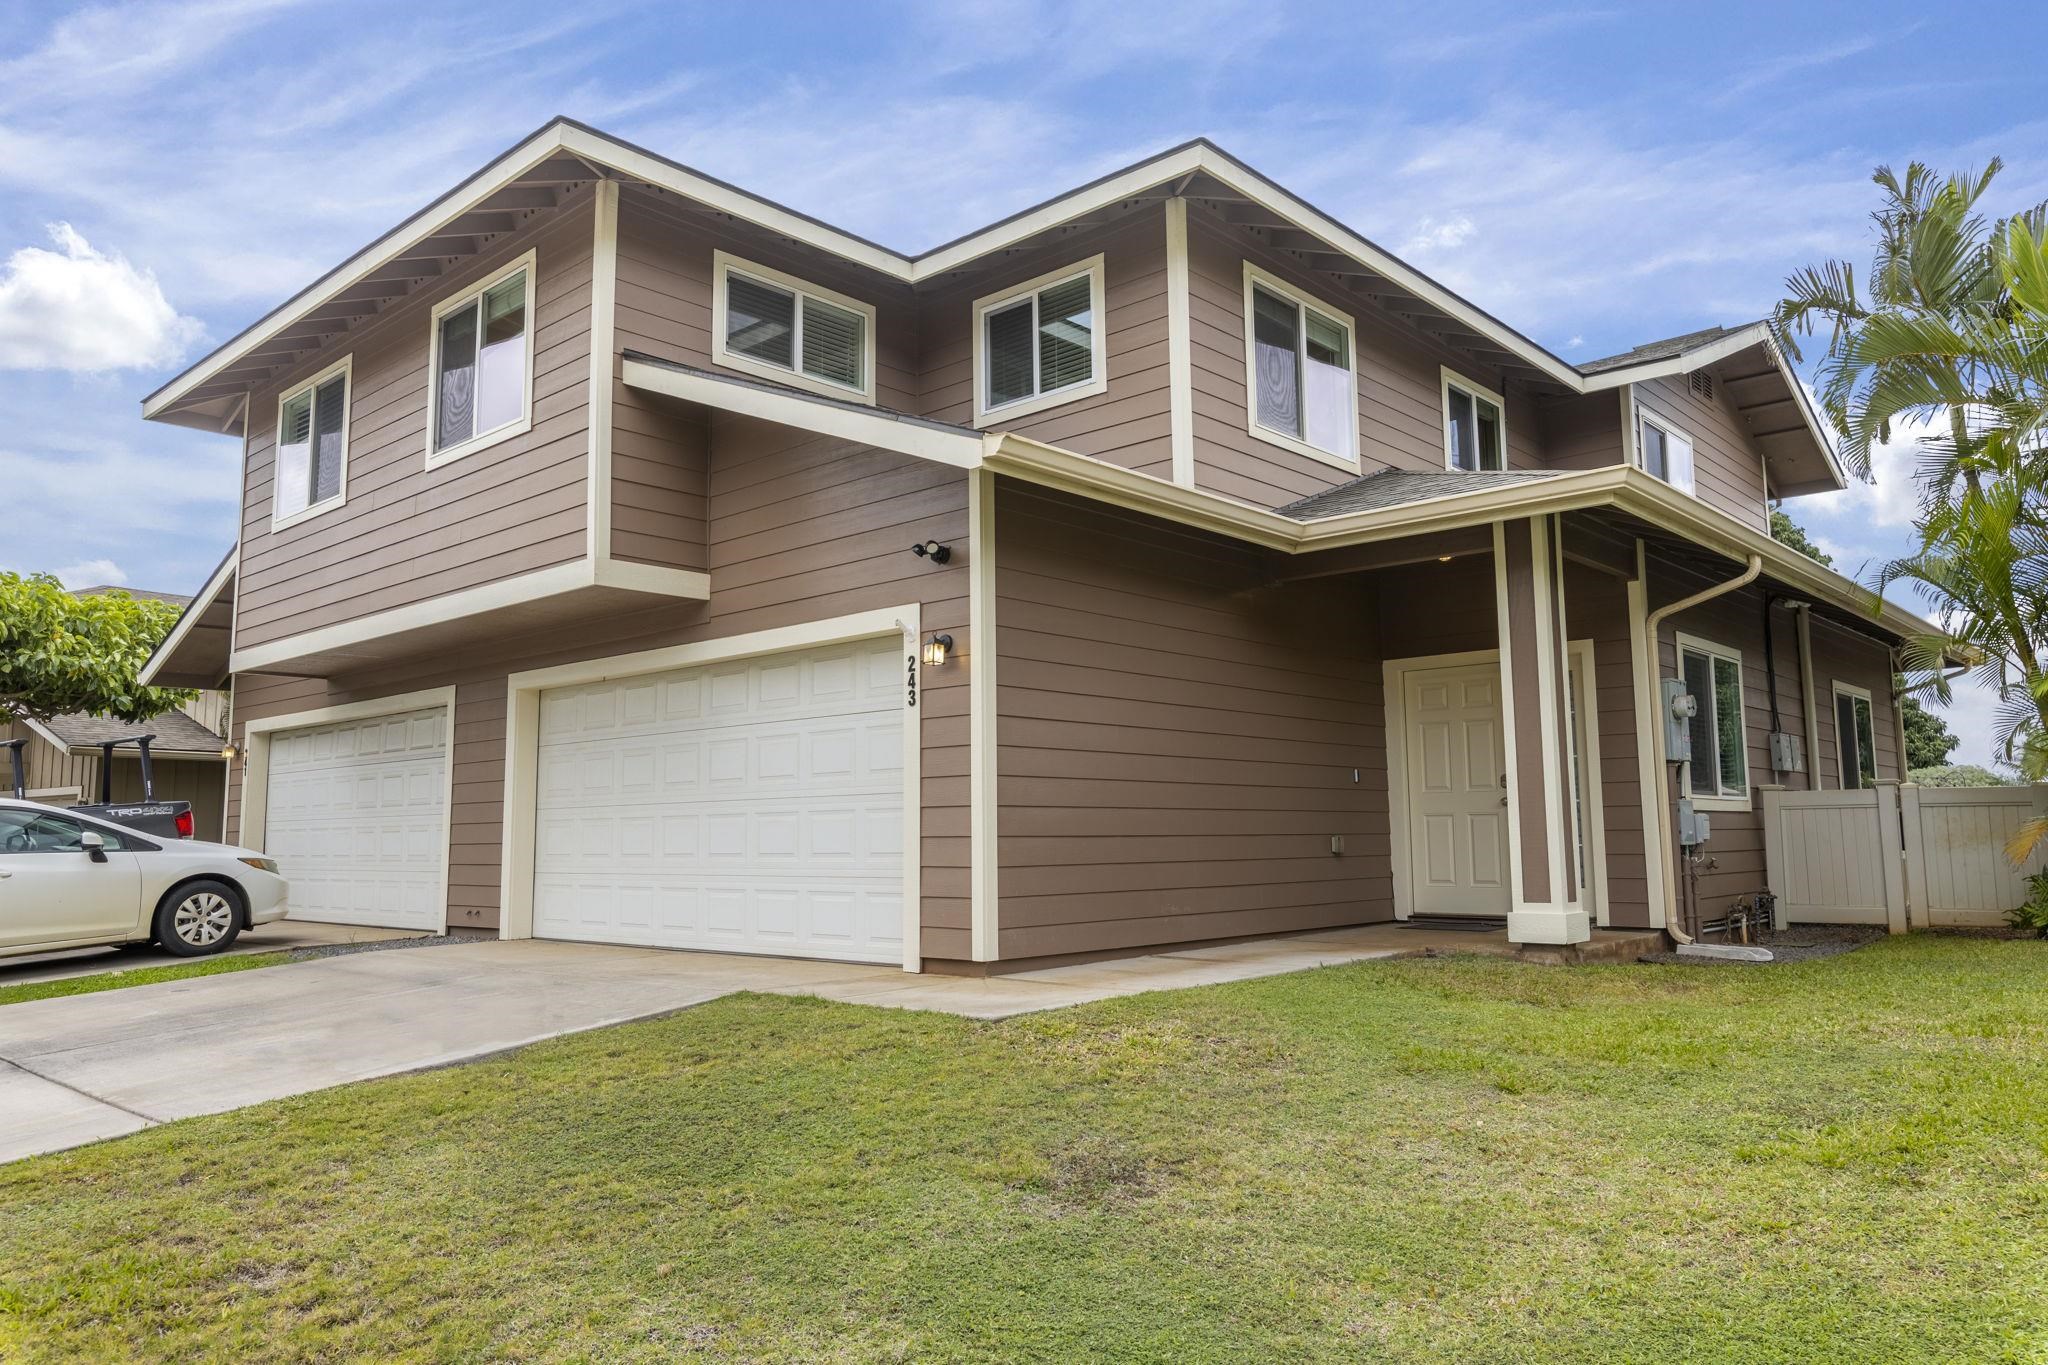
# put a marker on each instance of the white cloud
(1891, 500)
(92, 573)
(1440, 234)
(76, 308)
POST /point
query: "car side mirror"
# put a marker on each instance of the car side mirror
(95, 847)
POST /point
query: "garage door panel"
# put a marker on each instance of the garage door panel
(356, 816)
(751, 806)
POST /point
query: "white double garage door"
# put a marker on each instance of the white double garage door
(754, 806)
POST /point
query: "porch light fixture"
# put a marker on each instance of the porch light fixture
(936, 649)
(932, 550)
(230, 752)
(1444, 559)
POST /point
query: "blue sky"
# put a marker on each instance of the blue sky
(1596, 176)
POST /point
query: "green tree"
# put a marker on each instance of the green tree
(1929, 741)
(1791, 534)
(60, 653)
(1927, 339)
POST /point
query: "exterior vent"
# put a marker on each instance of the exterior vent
(1703, 385)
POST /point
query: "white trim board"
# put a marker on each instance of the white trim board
(984, 869)
(604, 291)
(522, 738)
(256, 762)
(196, 608)
(562, 578)
(1180, 361)
(923, 440)
(1584, 654)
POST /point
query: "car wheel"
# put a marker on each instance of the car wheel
(199, 918)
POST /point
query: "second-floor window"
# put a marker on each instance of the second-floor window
(1304, 390)
(1720, 763)
(1475, 432)
(1664, 450)
(1039, 344)
(312, 447)
(782, 328)
(482, 372)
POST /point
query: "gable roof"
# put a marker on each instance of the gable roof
(565, 152)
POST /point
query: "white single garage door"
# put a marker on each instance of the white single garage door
(357, 818)
(754, 806)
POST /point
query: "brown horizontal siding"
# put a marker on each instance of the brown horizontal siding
(1128, 424)
(786, 546)
(404, 533)
(1727, 465)
(665, 286)
(1176, 741)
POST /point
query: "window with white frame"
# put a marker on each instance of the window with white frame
(1855, 737)
(1663, 450)
(481, 375)
(311, 472)
(1713, 675)
(1475, 427)
(1039, 344)
(791, 331)
(1300, 371)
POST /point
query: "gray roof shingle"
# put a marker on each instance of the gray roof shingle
(175, 732)
(1395, 487)
(1667, 349)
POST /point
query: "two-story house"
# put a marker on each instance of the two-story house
(624, 557)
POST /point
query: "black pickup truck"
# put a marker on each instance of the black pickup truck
(165, 819)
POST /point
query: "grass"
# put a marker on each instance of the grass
(1449, 1159)
(137, 976)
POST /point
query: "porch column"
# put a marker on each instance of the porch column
(1536, 741)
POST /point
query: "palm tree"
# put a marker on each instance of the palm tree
(1931, 341)
(1983, 557)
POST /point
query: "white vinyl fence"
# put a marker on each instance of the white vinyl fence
(1900, 855)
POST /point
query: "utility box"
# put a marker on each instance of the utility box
(1679, 709)
(1787, 754)
(1694, 828)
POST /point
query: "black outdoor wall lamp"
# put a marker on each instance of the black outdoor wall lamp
(932, 550)
(936, 648)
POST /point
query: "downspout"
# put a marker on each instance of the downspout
(1653, 675)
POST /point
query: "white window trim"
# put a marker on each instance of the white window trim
(722, 266)
(520, 425)
(1724, 800)
(344, 366)
(1838, 690)
(1098, 367)
(1646, 413)
(1273, 284)
(1453, 380)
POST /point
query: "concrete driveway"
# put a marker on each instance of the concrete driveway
(80, 1068)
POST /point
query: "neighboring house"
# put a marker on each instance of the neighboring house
(585, 586)
(62, 759)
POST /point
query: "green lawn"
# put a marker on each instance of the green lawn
(1448, 1159)
(137, 976)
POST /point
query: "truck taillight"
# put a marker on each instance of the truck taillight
(184, 824)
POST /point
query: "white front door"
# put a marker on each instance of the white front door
(1457, 791)
(356, 815)
(755, 806)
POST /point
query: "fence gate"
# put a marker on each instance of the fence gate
(1900, 855)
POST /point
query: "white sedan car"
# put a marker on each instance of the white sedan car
(69, 881)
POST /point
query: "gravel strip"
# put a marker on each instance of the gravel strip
(374, 946)
(1800, 944)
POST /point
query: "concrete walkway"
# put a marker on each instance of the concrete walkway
(264, 938)
(80, 1068)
